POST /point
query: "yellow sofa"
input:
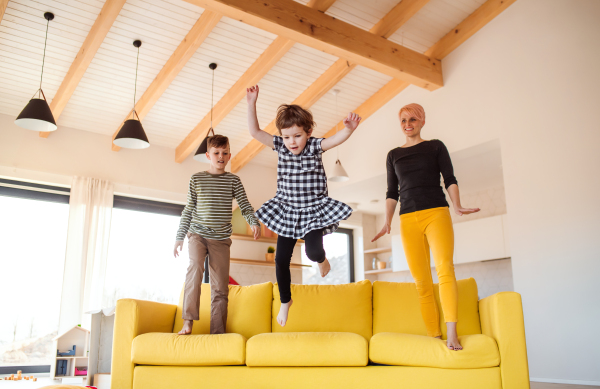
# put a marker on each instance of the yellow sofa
(358, 335)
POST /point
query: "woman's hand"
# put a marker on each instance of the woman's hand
(256, 230)
(252, 94)
(352, 121)
(385, 230)
(178, 244)
(465, 211)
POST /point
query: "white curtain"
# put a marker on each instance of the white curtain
(90, 210)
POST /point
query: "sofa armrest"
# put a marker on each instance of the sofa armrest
(133, 318)
(502, 319)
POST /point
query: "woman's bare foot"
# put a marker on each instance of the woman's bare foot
(324, 267)
(452, 341)
(187, 327)
(283, 313)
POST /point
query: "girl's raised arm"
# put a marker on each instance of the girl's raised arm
(262, 136)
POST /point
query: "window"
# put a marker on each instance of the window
(33, 236)
(340, 253)
(140, 260)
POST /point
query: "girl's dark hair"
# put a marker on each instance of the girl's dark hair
(290, 114)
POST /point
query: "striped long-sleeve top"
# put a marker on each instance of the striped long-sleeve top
(208, 211)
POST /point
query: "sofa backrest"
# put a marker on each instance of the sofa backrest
(328, 308)
(248, 313)
(396, 308)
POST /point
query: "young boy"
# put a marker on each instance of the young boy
(206, 219)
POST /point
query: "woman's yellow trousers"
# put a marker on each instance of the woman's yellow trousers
(422, 230)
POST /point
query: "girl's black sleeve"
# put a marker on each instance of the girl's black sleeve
(393, 191)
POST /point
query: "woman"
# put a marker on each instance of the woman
(413, 175)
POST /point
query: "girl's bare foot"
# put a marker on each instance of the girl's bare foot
(452, 341)
(324, 267)
(283, 313)
(187, 327)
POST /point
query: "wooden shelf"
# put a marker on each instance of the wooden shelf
(264, 263)
(261, 239)
(378, 271)
(378, 250)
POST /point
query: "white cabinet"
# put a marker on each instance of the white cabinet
(476, 240)
(480, 240)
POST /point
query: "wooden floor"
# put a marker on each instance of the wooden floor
(544, 385)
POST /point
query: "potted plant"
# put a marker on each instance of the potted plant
(270, 255)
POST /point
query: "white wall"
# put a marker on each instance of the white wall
(150, 173)
(529, 78)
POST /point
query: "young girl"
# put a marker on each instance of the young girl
(301, 207)
(413, 175)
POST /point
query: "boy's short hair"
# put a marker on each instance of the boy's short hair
(290, 114)
(218, 141)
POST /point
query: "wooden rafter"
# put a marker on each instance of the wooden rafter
(310, 27)
(468, 27)
(3, 4)
(385, 28)
(186, 49)
(108, 14)
(251, 76)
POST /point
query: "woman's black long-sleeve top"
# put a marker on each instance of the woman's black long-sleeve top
(413, 175)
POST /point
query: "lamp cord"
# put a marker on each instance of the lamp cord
(44, 57)
(336, 125)
(212, 92)
(135, 84)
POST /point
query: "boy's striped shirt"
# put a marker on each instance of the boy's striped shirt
(209, 206)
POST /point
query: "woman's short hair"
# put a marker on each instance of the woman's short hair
(415, 110)
(290, 114)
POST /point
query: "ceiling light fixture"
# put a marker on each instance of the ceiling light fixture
(36, 115)
(339, 173)
(200, 155)
(132, 134)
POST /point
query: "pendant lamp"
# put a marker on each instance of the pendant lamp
(132, 135)
(339, 173)
(36, 115)
(200, 155)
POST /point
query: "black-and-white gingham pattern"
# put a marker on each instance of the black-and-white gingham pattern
(301, 203)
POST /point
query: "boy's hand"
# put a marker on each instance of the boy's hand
(252, 94)
(352, 121)
(178, 244)
(256, 230)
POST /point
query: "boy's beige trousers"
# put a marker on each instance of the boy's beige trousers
(218, 264)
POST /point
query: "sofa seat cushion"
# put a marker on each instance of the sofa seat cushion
(188, 350)
(307, 349)
(390, 348)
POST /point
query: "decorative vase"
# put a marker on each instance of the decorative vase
(375, 263)
(270, 257)
(381, 265)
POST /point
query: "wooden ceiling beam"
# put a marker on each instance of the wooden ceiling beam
(186, 49)
(399, 15)
(3, 4)
(468, 27)
(277, 49)
(386, 27)
(310, 27)
(107, 16)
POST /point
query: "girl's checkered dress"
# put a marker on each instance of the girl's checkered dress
(301, 203)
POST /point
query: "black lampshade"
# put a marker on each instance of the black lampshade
(132, 135)
(200, 155)
(36, 116)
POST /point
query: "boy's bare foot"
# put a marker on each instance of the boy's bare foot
(187, 327)
(452, 341)
(324, 267)
(283, 313)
